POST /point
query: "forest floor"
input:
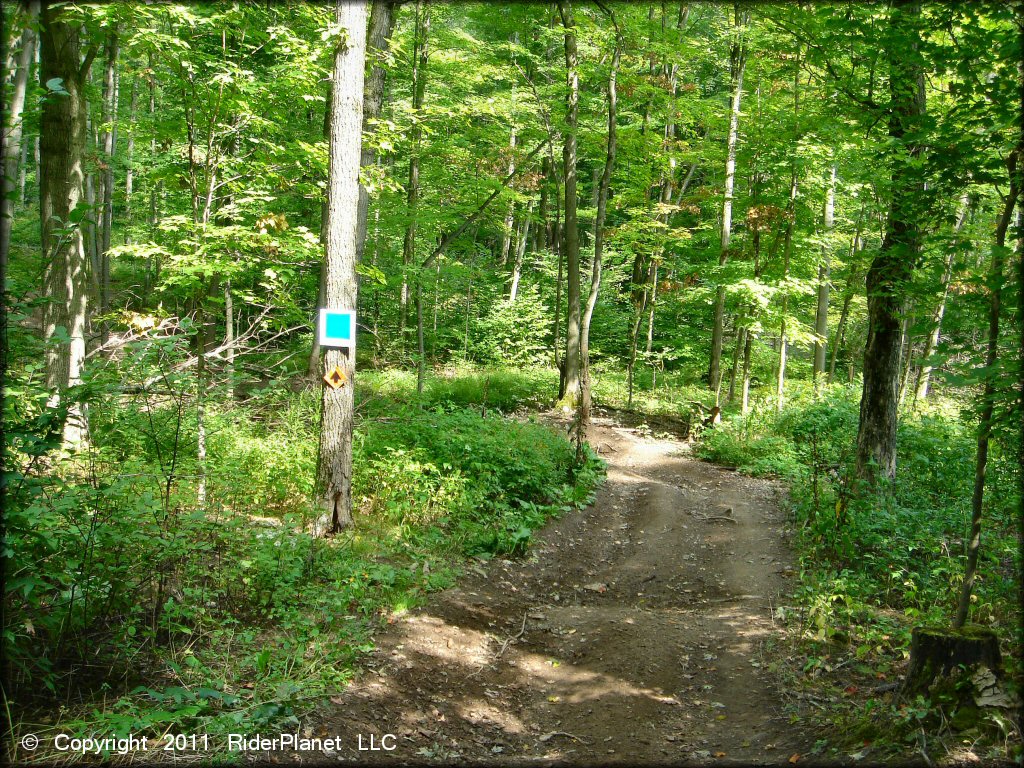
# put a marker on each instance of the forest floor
(636, 631)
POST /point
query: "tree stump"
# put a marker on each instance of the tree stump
(938, 651)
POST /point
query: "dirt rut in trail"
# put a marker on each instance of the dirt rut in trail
(632, 632)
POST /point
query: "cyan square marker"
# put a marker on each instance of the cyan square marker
(337, 328)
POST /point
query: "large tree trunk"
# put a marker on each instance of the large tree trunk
(571, 232)
(737, 64)
(596, 269)
(334, 466)
(421, 56)
(12, 137)
(382, 24)
(62, 145)
(891, 269)
(824, 275)
(995, 286)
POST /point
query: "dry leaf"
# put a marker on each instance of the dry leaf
(719, 754)
(794, 757)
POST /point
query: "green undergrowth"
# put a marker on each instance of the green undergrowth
(132, 607)
(888, 562)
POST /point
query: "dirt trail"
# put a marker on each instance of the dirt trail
(632, 633)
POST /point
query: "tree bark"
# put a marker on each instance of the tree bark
(62, 145)
(382, 24)
(891, 269)
(737, 64)
(334, 465)
(571, 233)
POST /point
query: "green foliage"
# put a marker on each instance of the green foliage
(111, 559)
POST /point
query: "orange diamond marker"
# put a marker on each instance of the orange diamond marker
(335, 377)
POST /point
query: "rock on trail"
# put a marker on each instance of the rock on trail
(633, 631)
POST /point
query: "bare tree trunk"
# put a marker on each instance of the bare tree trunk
(932, 342)
(737, 64)
(824, 274)
(62, 145)
(12, 138)
(571, 239)
(334, 465)
(421, 56)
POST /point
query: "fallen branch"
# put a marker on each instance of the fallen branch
(516, 636)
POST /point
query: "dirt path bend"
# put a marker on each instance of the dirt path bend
(634, 632)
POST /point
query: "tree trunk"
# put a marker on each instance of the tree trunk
(229, 335)
(737, 64)
(12, 137)
(780, 384)
(129, 174)
(62, 145)
(201, 397)
(932, 342)
(891, 269)
(334, 465)
(824, 274)
(571, 234)
(597, 267)
(506, 231)
(109, 139)
(995, 286)
(382, 24)
(313, 367)
(517, 264)
(421, 56)
(856, 245)
(649, 349)
(907, 355)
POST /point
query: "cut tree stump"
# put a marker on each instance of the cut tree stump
(938, 651)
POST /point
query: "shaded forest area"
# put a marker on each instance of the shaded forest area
(791, 234)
